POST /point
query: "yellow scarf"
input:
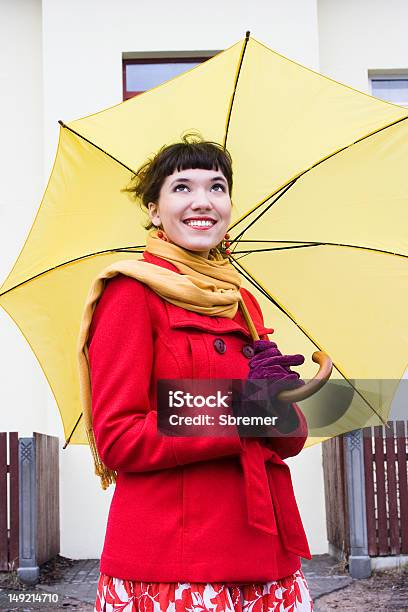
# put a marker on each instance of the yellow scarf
(207, 286)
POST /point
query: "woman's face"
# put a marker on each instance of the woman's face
(194, 209)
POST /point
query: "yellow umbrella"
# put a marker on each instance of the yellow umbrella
(319, 218)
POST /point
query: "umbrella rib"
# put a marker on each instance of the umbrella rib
(258, 286)
(67, 441)
(66, 263)
(292, 180)
(64, 125)
(297, 246)
(309, 244)
(265, 210)
(241, 59)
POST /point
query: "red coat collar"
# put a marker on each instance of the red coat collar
(180, 317)
(159, 261)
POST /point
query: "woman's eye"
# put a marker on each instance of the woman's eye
(222, 187)
(180, 187)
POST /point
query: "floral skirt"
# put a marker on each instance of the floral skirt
(290, 594)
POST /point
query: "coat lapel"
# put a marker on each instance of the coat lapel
(179, 317)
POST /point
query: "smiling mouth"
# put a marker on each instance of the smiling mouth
(200, 224)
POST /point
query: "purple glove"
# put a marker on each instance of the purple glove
(269, 363)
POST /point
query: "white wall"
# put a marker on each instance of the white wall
(24, 389)
(357, 36)
(74, 53)
(308, 484)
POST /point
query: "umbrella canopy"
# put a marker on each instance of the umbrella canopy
(320, 211)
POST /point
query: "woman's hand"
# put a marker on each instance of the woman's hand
(269, 363)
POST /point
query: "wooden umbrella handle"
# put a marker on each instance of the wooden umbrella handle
(297, 395)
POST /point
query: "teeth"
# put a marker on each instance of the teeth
(196, 223)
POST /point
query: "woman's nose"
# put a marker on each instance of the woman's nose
(201, 200)
(201, 204)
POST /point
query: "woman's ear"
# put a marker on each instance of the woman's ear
(153, 210)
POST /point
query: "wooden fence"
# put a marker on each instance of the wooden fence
(48, 516)
(9, 501)
(385, 464)
(386, 490)
(335, 492)
(29, 502)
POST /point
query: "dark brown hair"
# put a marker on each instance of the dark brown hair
(192, 152)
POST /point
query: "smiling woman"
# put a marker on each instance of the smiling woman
(194, 209)
(203, 520)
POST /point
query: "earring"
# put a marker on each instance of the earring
(226, 245)
(161, 234)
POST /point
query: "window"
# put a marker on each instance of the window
(143, 73)
(390, 87)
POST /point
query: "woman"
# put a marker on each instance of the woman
(209, 522)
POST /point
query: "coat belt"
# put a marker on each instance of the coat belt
(261, 513)
(271, 504)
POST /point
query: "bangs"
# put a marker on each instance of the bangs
(196, 155)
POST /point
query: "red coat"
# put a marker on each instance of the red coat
(197, 509)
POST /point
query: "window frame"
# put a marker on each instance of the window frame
(391, 74)
(184, 57)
